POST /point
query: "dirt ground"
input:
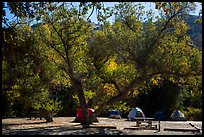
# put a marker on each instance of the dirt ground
(66, 126)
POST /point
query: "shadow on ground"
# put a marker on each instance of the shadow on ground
(43, 122)
(56, 130)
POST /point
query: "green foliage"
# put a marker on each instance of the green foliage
(68, 103)
(147, 49)
(193, 114)
(41, 100)
(170, 8)
(25, 78)
(121, 106)
(99, 66)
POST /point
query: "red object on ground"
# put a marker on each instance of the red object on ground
(79, 112)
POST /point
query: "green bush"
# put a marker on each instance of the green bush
(193, 113)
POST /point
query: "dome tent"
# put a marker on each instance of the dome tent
(79, 115)
(178, 116)
(159, 115)
(115, 114)
(135, 112)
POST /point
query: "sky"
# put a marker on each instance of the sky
(148, 6)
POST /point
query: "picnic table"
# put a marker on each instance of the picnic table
(140, 120)
(35, 113)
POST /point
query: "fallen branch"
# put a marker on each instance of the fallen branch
(199, 129)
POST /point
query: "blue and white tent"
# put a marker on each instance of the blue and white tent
(135, 112)
(178, 116)
(115, 114)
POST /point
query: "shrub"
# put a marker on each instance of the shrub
(193, 113)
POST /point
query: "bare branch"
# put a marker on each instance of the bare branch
(91, 12)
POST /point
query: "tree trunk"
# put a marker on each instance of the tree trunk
(79, 90)
(44, 113)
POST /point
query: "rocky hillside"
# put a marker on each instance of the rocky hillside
(195, 30)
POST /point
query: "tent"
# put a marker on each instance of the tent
(135, 112)
(79, 115)
(115, 114)
(159, 115)
(178, 116)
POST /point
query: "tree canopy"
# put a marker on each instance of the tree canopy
(103, 67)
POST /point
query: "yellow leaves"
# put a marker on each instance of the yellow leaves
(180, 27)
(89, 94)
(54, 57)
(162, 48)
(184, 25)
(46, 26)
(112, 65)
(154, 81)
(183, 49)
(79, 41)
(160, 5)
(173, 3)
(109, 89)
(176, 6)
(13, 94)
(176, 9)
(51, 57)
(46, 31)
(184, 66)
(26, 28)
(166, 11)
(169, 7)
(61, 78)
(182, 80)
(15, 87)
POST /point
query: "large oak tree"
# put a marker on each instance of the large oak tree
(111, 64)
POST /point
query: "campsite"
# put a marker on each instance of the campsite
(105, 126)
(112, 125)
(101, 68)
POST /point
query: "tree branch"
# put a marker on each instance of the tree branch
(52, 45)
(115, 84)
(66, 48)
(91, 12)
(132, 85)
(147, 52)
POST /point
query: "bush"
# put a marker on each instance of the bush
(193, 113)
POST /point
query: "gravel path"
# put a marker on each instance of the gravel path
(66, 126)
